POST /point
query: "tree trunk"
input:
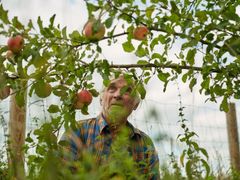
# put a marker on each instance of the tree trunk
(232, 130)
(17, 128)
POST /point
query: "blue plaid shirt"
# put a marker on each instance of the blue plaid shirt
(94, 136)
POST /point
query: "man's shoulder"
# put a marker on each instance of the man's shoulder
(88, 121)
(143, 136)
(140, 133)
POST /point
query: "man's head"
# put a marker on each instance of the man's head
(119, 99)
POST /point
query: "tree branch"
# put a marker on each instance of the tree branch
(170, 66)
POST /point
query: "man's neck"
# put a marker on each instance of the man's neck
(116, 125)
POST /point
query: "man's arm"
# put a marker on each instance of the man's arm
(153, 165)
(71, 143)
(152, 161)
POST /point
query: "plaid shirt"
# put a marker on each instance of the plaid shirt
(94, 136)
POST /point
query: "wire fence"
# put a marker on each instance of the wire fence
(157, 119)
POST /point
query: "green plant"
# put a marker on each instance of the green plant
(207, 33)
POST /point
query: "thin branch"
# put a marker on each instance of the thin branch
(170, 66)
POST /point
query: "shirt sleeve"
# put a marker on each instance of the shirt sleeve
(71, 143)
(152, 166)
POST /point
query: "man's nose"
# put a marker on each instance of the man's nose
(117, 94)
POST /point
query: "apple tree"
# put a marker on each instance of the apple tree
(47, 59)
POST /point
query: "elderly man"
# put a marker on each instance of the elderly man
(99, 136)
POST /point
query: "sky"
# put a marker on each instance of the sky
(73, 14)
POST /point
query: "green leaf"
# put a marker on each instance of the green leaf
(204, 152)
(128, 46)
(61, 91)
(53, 108)
(210, 36)
(205, 164)
(76, 37)
(188, 169)
(231, 15)
(156, 56)
(154, 43)
(99, 49)
(202, 16)
(182, 157)
(141, 51)
(52, 20)
(205, 83)
(142, 62)
(174, 7)
(16, 23)
(108, 22)
(94, 92)
(163, 76)
(141, 90)
(190, 56)
(30, 24)
(29, 139)
(193, 82)
(39, 61)
(91, 7)
(224, 105)
(40, 23)
(184, 77)
(4, 15)
(84, 110)
(190, 44)
(20, 100)
(64, 32)
(218, 90)
(149, 11)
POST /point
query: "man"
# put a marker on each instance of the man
(110, 137)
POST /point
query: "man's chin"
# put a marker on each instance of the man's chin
(117, 113)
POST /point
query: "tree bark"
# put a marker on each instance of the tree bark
(17, 129)
(232, 130)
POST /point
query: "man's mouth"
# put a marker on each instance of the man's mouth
(116, 104)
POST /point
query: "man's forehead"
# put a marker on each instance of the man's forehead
(121, 80)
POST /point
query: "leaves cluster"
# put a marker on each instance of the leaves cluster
(206, 33)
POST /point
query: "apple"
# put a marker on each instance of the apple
(43, 89)
(4, 92)
(15, 44)
(94, 30)
(84, 97)
(140, 33)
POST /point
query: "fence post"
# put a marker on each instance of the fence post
(232, 131)
(17, 129)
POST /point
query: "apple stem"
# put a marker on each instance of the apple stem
(101, 14)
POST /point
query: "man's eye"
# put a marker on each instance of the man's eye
(129, 90)
(111, 88)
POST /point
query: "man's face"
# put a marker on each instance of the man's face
(118, 101)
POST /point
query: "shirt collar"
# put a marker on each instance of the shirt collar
(103, 124)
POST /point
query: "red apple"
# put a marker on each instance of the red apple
(140, 33)
(94, 30)
(84, 97)
(15, 44)
(4, 92)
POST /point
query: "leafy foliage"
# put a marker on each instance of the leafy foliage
(206, 31)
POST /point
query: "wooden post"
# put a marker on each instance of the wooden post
(17, 128)
(232, 130)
